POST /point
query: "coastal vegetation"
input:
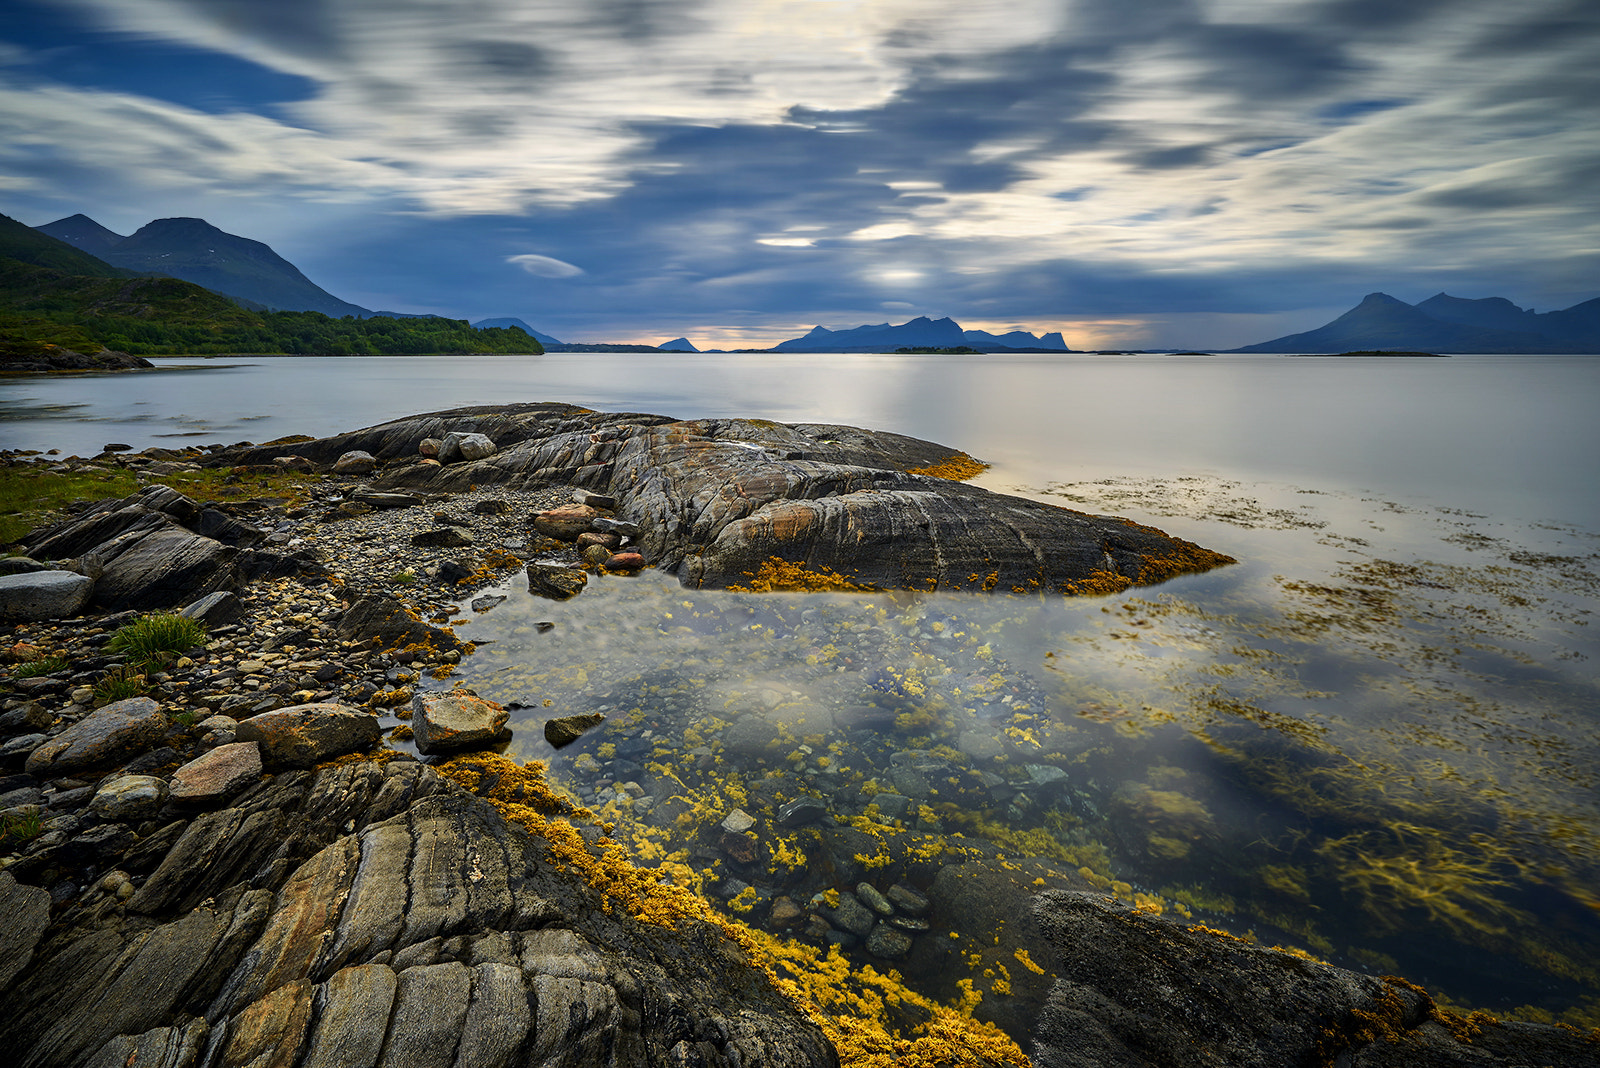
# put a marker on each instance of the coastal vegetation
(42, 304)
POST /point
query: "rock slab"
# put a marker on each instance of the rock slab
(103, 737)
(219, 773)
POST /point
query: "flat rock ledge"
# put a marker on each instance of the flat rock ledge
(714, 500)
(369, 913)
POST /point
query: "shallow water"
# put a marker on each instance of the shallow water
(1373, 738)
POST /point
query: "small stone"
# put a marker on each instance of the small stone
(451, 572)
(888, 942)
(740, 848)
(849, 914)
(353, 509)
(252, 667)
(597, 555)
(626, 562)
(355, 462)
(441, 538)
(219, 773)
(623, 527)
(909, 923)
(387, 500)
(553, 580)
(1045, 774)
(874, 900)
(738, 821)
(785, 914)
(892, 806)
(603, 501)
(83, 695)
(129, 799)
(429, 447)
(906, 899)
(567, 522)
(215, 609)
(800, 811)
(609, 541)
(293, 463)
(564, 730)
(490, 506)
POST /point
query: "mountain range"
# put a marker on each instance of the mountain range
(1443, 323)
(919, 333)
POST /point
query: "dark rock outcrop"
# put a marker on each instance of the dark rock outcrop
(716, 499)
(159, 549)
(373, 914)
(1138, 991)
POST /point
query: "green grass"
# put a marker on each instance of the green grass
(45, 665)
(119, 684)
(403, 578)
(154, 639)
(15, 830)
(33, 497)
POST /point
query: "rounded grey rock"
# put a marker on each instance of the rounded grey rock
(36, 595)
(130, 798)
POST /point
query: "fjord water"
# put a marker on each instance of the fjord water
(1374, 738)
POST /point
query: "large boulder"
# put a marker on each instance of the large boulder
(161, 568)
(104, 737)
(303, 735)
(450, 722)
(1139, 990)
(35, 595)
(458, 445)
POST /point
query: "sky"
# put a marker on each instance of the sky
(1133, 173)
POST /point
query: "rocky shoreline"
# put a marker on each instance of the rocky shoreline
(247, 864)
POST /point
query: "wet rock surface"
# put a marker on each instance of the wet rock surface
(1139, 990)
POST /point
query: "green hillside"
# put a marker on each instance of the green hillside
(24, 243)
(145, 316)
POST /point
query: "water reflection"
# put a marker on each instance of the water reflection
(1374, 740)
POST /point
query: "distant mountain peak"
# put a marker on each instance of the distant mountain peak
(1443, 323)
(82, 232)
(921, 332)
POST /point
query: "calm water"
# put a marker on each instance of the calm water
(1375, 737)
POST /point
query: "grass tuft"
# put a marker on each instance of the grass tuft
(45, 665)
(155, 639)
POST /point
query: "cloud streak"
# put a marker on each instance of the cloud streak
(724, 163)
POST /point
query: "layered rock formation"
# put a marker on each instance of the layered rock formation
(715, 499)
(370, 914)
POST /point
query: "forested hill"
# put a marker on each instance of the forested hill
(41, 306)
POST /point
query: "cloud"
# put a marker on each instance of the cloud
(544, 266)
(791, 160)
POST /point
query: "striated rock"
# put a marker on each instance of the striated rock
(363, 915)
(160, 568)
(219, 773)
(303, 735)
(129, 798)
(554, 580)
(564, 730)
(28, 596)
(714, 500)
(566, 522)
(104, 737)
(355, 462)
(215, 609)
(456, 721)
(27, 913)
